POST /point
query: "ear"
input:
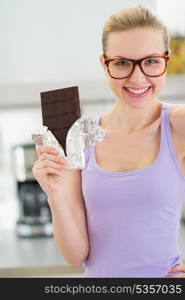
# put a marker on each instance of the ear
(101, 59)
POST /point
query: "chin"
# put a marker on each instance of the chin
(138, 104)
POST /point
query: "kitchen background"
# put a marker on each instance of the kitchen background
(48, 45)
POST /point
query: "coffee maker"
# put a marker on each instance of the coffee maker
(34, 218)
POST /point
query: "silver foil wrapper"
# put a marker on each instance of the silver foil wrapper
(84, 133)
(46, 137)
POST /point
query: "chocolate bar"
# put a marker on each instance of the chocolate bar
(60, 109)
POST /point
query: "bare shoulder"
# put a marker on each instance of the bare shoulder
(177, 119)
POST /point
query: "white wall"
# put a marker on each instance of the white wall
(172, 13)
(43, 40)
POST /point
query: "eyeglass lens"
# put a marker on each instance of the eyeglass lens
(120, 68)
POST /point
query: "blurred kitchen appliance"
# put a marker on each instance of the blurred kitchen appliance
(34, 213)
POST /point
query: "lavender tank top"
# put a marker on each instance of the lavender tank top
(133, 217)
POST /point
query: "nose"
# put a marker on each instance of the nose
(137, 75)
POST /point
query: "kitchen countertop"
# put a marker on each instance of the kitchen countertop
(39, 257)
(24, 252)
(28, 256)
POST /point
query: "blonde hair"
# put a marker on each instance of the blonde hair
(132, 18)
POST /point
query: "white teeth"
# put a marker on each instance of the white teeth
(137, 91)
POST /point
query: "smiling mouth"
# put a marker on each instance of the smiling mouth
(137, 91)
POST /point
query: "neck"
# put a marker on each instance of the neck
(127, 119)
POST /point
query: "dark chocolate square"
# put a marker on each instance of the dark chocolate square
(60, 109)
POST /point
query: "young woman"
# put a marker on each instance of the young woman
(120, 216)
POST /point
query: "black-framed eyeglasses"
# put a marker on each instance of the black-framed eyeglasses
(121, 67)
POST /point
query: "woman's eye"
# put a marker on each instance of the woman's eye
(151, 61)
(122, 63)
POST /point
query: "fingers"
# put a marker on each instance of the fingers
(55, 158)
(41, 174)
(42, 169)
(49, 163)
(178, 267)
(47, 154)
(45, 149)
(180, 275)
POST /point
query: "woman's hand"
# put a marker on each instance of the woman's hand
(178, 268)
(47, 170)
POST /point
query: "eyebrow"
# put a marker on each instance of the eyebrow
(153, 54)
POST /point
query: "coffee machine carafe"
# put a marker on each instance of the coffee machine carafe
(34, 213)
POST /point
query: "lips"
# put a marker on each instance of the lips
(140, 92)
(137, 90)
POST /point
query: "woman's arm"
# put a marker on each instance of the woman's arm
(64, 191)
(69, 219)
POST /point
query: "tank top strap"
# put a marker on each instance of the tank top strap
(164, 115)
(168, 138)
(166, 126)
